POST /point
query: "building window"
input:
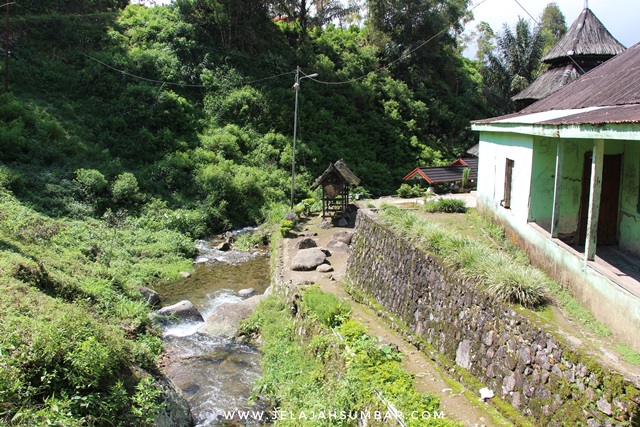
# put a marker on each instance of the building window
(508, 177)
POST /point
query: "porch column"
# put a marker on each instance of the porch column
(555, 216)
(594, 200)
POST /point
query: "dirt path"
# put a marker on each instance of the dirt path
(428, 378)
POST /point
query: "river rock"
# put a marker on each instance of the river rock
(324, 268)
(176, 411)
(183, 311)
(343, 236)
(225, 320)
(337, 246)
(224, 246)
(308, 259)
(185, 274)
(306, 243)
(325, 224)
(152, 297)
(246, 293)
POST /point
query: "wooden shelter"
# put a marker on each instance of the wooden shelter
(586, 44)
(336, 182)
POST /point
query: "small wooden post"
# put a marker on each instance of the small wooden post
(594, 200)
(555, 216)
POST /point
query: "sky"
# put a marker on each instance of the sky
(619, 16)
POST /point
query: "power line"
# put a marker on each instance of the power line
(135, 76)
(402, 57)
(570, 56)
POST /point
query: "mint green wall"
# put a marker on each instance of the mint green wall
(543, 177)
(629, 200)
(543, 173)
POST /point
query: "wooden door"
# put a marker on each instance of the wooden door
(609, 200)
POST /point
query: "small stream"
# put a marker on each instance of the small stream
(216, 375)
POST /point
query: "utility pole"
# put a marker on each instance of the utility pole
(296, 87)
(6, 53)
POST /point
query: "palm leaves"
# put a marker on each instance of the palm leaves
(513, 64)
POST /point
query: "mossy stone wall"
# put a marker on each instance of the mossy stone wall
(539, 374)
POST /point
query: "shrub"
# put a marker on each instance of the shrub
(285, 226)
(446, 206)
(309, 205)
(125, 189)
(328, 308)
(407, 191)
(90, 182)
(360, 193)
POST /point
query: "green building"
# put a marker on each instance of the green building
(563, 175)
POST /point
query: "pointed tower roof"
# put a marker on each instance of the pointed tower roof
(585, 45)
(586, 37)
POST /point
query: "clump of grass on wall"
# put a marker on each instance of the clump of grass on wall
(504, 276)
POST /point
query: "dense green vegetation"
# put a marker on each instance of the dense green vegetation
(322, 362)
(129, 131)
(75, 338)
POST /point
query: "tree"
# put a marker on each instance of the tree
(552, 25)
(512, 65)
(485, 41)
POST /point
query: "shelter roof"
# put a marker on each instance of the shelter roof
(341, 171)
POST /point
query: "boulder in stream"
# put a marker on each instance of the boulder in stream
(176, 411)
(182, 311)
(225, 320)
(152, 297)
(246, 293)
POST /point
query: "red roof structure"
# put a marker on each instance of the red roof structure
(444, 174)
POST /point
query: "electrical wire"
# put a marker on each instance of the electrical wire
(595, 82)
(402, 57)
(126, 73)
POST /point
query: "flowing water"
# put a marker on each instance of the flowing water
(216, 375)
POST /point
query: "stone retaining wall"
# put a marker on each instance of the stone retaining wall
(521, 362)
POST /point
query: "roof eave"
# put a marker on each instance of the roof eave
(615, 131)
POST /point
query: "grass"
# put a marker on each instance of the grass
(309, 367)
(628, 354)
(75, 336)
(445, 206)
(483, 231)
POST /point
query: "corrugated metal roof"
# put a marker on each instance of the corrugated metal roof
(614, 84)
(548, 82)
(587, 36)
(444, 174)
(616, 114)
